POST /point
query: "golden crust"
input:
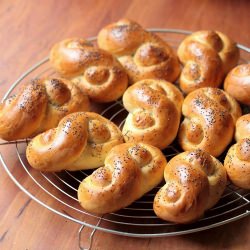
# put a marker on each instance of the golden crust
(195, 182)
(210, 115)
(237, 83)
(242, 127)
(154, 112)
(130, 170)
(207, 57)
(39, 106)
(237, 163)
(95, 71)
(143, 54)
(80, 141)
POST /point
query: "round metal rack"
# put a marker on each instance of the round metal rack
(58, 191)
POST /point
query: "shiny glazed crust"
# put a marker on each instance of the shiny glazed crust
(237, 163)
(95, 71)
(242, 127)
(130, 170)
(237, 83)
(210, 115)
(143, 54)
(80, 141)
(39, 106)
(154, 112)
(207, 57)
(195, 182)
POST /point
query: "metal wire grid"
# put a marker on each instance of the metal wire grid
(138, 219)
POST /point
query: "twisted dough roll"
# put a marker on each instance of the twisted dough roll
(81, 141)
(154, 112)
(195, 182)
(237, 161)
(95, 71)
(210, 115)
(237, 83)
(242, 127)
(207, 57)
(39, 106)
(143, 54)
(130, 171)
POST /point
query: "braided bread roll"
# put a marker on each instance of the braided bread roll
(242, 127)
(237, 161)
(143, 54)
(39, 106)
(95, 71)
(207, 57)
(195, 182)
(237, 83)
(130, 170)
(80, 141)
(210, 115)
(154, 112)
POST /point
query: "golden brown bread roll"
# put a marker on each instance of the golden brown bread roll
(237, 83)
(242, 127)
(95, 71)
(38, 106)
(207, 57)
(154, 112)
(210, 115)
(80, 141)
(130, 170)
(237, 163)
(143, 54)
(195, 182)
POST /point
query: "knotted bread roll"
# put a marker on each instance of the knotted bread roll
(143, 54)
(207, 57)
(130, 170)
(80, 141)
(237, 161)
(154, 112)
(210, 115)
(95, 71)
(242, 127)
(39, 106)
(237, 83)
(195, 182)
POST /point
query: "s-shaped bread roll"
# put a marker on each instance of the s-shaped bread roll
(80, 141)
(130, 170)
(143, 54)
(154, 112)
(237, 161)
(210, 115)
(195, 182)
(39, 106)
(207, 57)
(242, 127)
(95, 71)
(237, 83)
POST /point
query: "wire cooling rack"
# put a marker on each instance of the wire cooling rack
(58, 191)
